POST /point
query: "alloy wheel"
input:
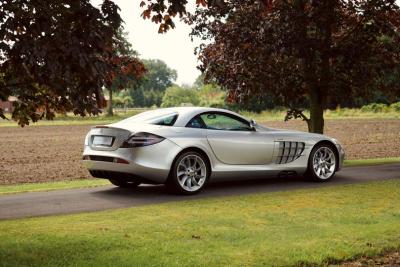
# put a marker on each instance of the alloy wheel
(191, 173)
(324, 162)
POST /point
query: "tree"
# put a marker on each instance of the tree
(151, 87)
(176, 96)
(303, 53)
(127, 71)
(53, 56)
(159, 75)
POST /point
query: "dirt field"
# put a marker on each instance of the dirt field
(391, 259)
(53, 153)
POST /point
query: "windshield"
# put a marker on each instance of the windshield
(157, 117)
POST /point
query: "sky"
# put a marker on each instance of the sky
(175, 47)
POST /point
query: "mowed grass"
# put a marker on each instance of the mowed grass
(35, 187)
(85, 183)
(292, 228)
(371, 162)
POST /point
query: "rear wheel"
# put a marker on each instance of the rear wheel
(124, 183)
(322, 163)
(189, 174)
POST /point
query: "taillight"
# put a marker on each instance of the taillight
(142, 139)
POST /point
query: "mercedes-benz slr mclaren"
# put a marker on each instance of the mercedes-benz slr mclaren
(185, 147)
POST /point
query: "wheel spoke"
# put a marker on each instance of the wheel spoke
(195, 182)
(187, 162)
(183, 179)
(182, 164)
(327, 170)
(196, 162)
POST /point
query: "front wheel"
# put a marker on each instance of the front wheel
(189, 173)
(322, 163)
(125, 184)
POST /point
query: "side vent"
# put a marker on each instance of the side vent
(289, 151)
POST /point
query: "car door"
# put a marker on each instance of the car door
(233, 141)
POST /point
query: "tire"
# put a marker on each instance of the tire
(322, 163)
(125, 184)
(189, 174)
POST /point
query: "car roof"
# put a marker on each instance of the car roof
(185, 114)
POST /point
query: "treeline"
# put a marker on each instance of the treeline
(157, 88)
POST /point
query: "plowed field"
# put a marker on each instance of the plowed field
(53, 153)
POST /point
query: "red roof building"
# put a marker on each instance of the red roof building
(7, 106)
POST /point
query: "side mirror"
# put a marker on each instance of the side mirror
(253, 124)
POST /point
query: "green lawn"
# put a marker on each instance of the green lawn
(33, 187)
(313, 226)
(370, 162)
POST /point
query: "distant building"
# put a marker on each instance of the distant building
(7, 106)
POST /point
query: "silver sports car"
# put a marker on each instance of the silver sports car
(185, 147)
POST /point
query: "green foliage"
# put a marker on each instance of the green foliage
(381, 108)
(122, 101)
(304, 54)
(150, 89)
(159, 76)
(176, 96)
(211, 95)
(375, 107)
(146, 98)
(395, 107)
(55, 56)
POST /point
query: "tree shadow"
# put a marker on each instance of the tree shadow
(159, 193)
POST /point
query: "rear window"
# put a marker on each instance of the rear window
(167, 120)
(156, 117)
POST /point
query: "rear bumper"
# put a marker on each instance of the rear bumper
(150, 162)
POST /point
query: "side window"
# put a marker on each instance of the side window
(196, 122)
(218, 121)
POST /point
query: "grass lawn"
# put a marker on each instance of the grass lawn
(36, 187)
(33, 187)
(370, 162)
(312, 226)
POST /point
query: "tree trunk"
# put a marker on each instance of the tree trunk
(110, 105)
(319, 82)
(316, 122)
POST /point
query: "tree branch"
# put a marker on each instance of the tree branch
(294, 113)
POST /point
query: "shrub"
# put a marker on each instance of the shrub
(211, 96)
(176, 96)
(395, 107)
(375, 107)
